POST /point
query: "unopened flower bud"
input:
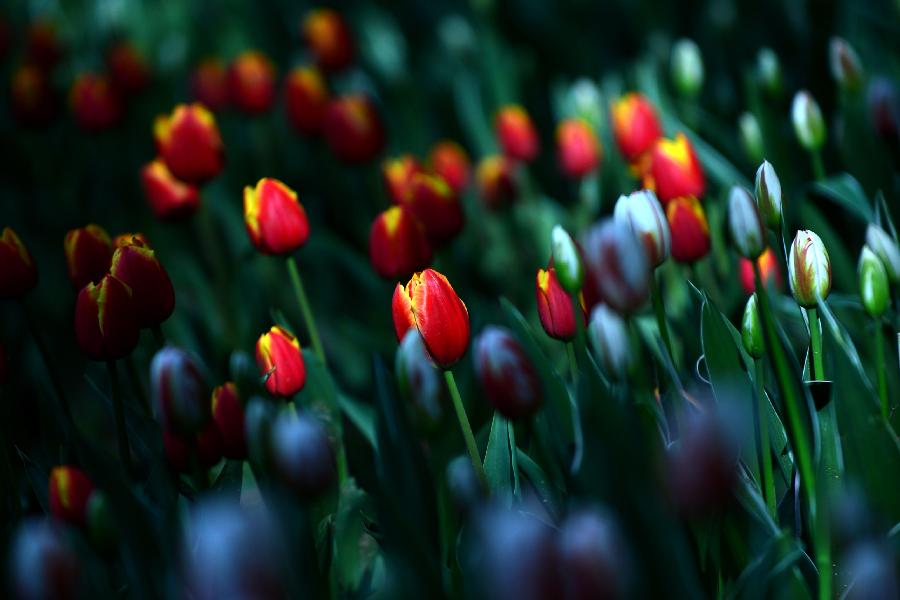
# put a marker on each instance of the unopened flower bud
(566, 260)
(618, 264)
(611, 342)
(251, 82)
(18, 274)
(179, 391)
(883, 245)
(874, 287)
(768, 195)
(420, 381)
(578, 148)
(751, 137)
(593, 555)
(302, 453)
(41, 563)
(745, 223)
(88, 254)
(106, 326)
(808, 123)
(846, 68)
(516, 133)
(809, 269)
(643, 213)
(768, 70)
(280, 362)
(751, 329)
(687, 67)
(689, 229)
(506, 374)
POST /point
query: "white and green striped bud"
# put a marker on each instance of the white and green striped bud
(809, 268)
(874, 287)
(566, 260)
(768, 195)
(885, 248)
(807, 119)
(611, 342)
(687, 67)
(751, 137)
(745, 224)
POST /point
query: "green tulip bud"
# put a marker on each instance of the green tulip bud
(885, 248)
(808, 123)
(768, 70)
(809, 269)
(745, 224)
(751, 329)
(751, 137)
(768, 195)
(566, 260)
(687, 67)
(874, 288)
(609, 337)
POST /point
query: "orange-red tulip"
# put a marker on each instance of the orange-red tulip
(106, 327)
(169, 198)
(152, 293)
(433, 202)
(689, 228)
(228, 415)
(516, 133)
(578, 148)
(189, 142)
(635, 125)
(398, 245)
(33, 102)
(88, 254)
(128, 68)
(251, 82)
(18, 274)
(95, 102)
(768, 268)
(450, 161)
(496, 180)
(554, 306)
(281, 362)
(328, 38)
(69, 493)
(353, 129)
(305, 99)
(672, 170)
(275, 219)
(209, 84)
(396, 173)
(428, 303)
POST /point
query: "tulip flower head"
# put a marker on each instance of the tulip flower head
(745, 223)
(398, 245)
(506, 374)
(673, 170)
(769, 270)
(32, 98)
(302, 453)
(70, 491)
(209, 84)
(611, 342)
(496, 180)
(125, 239)
(566, 260)
(88, 254)
(228, 416)
(642, 212)
(251, 82)
(328, 38)
(429, 304)
(180, 394)
(689, 228)
(635, 125)
(275, 219)
(809, 269)
(419, 381)
(450, 161)
(169, 198)
(874, 285)
(768, 71)
(280, 362)
(353, 128)
(751, 329)
(305, 99)
(768, 195)
(846, 68)
(106, 325)
(687, 67)
(152, 292)
(554, 306)
(619, 265)
(42, 564)
(885, 247)
(578, 148)
(188, 141)
(128, 68)
(94, 102)
(751, 137)
(18, 274)
(396, 172)
(808, 123)
(433, 202)
(516, 133)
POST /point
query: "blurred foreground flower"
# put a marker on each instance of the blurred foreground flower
(566, 259)
(94, 102)
(209, 84)
(275, 220)
(768, 195)
(169, 198)
(686, 67)
(809, 269)
(32, 97)
(618, 264)
(593, 555)
(41, 563)
(506, 374)
(228, 415)
(188, 141)
(496, 180)
(635, 125)
(578, 148)
(419, 381)
(398, 245)
(302, 453)
(672, 170)
(689, 228)
(642, 212)
(611, 342)
(745, 224)
(180, 394)
(353, 128)
(280, 362)
(106, 326)
(751, 329)
(88, 254)
(516, 133)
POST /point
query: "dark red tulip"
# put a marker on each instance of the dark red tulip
(128, 68)
(209, 84)
(496, 177)
(353, 129)
(302, 454)
(251, 82)
(433, 202)
(18, 274)
(398, 245)
(169, 198)
(189, 142)
(69, 493)
(506, 373)
(328, 38)
(88, 254)
(42, 46)
(305, 99)
(106, 325)
(95, 102)
(228, 415)
(180, 395)
(151, 288)
(32, 98)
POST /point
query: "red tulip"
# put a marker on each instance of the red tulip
(128, 68)
(328, 38)
(169, 198)
(672, 170)
(228, 414)
(95, 102)
(43, 47)
(619, 267)
(209, 84)
(105, 322)
(396, 173)
(189, 142)
(433, 202)
(275, 219)
(69, 494)
(88, 254)
(507, 375)
(251, 82)
(635, 125)
(690, 231)
(398, 245)
(353, 129)
(305, 99)
(152, 292)
(554, 306)
(280, 360)
(450, 161)
(18, 274)
(496, 181)
(578, 147)
(516, 133)
(33, 102)
(768, 268)
(429, 304)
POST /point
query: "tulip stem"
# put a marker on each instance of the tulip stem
(882, 376)
(818, 165)
(815, 341)
(660, 309)
(48, 363)
(306, 310)
(765, 451)
(119, 410)
(466, 428)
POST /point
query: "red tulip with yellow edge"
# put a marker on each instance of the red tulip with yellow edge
(496, 181)
(32, 98)
(274, 217)
(69, 492)
(305, 99)
(154, 297)
(554, 306)
(251, 82)
(18, 274)
(94, 102)
(189, 142)
(169, 198)
(672, 170)
(428, 303)
(689, 228)
(228, 415)
(128, 69)
(88, 254)
(209, 84)
(328, 38)
(280, 362)
(516, 133)
(396, 172)
(106, 326)
(353, 129)
(398, 245)
(433, 202)
(578, 148)
(450, 161)
(635, 125)
(136, 237)
(769, 269)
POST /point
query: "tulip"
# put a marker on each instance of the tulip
(69, 494)
(611, 342)
(275, 220)
(328, 38)
(642, 212)
(882, 104)
(673, 170)
(807, 119)
(94, 101)
(450, 161)
(687, 67)
(251, 82)
(554, 306)
(635, 125)
(751, 137)
(846, 68)
(429, 304)
(566, 260)
(189, 142)
(516, 133)
(496, 181)
(398, 245)
(768, 70)
(619, 266)
(152, 292)
(126, 239)
(507, 376)
(593, 556)
(396, 173)
(690, 230)
(810, 269)
(127, 67)
(745, 224)
(305, 99)
(228, 415)
(768, 195)
(42, 46)
(106, 326)
(885, 248)
(578, 148)
(433, 202)
(18, 274)
(209, 446)
(41, 563)
(88, 254)
(419, 381)
(353, 129)
(751, 329)
(179, 391)
(702, 470)
(302, 454)
(874, 286)
(209, 84)
(280, 362)
(769, 270)
(102, 530)
(32, 98)
(169, 198)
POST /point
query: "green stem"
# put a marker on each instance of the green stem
(660, 310)
(815, 340)
(818, 165)
(119, 410)
(511, 429)
(466, 428)
(882, 374)
(765, 451)
(306, 310)
(48, 363)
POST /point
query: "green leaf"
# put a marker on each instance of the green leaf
(497, 460)
(360, 415)
(845, 191)
(354, 548)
